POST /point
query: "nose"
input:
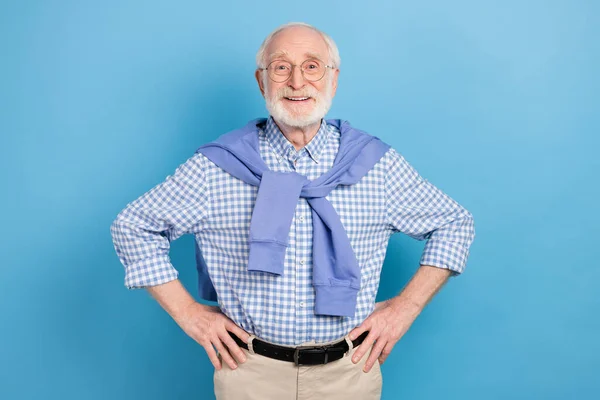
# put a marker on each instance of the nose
(296, 80)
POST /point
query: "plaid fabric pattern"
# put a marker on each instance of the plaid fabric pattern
(201, 199)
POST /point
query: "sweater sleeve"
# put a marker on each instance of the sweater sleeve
(422, 211)
(143, 230)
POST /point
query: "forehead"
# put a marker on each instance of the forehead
(297, 43)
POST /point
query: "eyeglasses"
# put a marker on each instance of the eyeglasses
(312, 70)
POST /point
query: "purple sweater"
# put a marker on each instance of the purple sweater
(336, 273)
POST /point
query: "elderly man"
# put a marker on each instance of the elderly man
(291, 217)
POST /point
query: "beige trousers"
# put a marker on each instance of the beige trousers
(264, 378)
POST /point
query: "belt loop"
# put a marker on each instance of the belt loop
(350, 345)
(250, 346)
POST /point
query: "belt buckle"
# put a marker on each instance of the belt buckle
(297, 352)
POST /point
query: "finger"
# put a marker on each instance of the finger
(364, 346)
(225, 354)
(386, 352)
(374, 354)
(232, 346)
(212, 356)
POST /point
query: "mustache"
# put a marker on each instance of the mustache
(289, 92)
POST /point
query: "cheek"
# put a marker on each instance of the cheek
(271, 89)
(320, 87)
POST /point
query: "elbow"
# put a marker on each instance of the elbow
(468, 223)
(117, 224)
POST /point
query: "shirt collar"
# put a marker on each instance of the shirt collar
(282, 146)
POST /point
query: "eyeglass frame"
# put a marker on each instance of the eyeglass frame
(292, 70)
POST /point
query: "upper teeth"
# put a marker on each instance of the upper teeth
(297, 98)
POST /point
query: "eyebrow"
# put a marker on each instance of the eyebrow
(286, 54)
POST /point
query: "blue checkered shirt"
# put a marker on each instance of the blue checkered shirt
(200, 198)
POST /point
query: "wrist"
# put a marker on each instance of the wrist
(183, 310)
(404, 305)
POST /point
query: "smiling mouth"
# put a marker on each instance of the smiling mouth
(297, 99)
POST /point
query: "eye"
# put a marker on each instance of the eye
(311, 66)
(280, 66)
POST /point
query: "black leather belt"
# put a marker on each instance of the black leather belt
(301, 355)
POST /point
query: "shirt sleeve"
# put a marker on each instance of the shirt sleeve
(143, 230)
(422, 211)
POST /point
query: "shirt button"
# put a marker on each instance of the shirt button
(301, 218)
(301, 304)
(301, 262)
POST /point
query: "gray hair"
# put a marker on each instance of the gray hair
(334, 54)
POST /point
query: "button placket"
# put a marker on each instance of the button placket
(302, 310)
(299, 304)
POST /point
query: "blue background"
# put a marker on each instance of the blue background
(496, 103)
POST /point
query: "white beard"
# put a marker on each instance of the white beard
(279, 112)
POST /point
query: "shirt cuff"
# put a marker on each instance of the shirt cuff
(444, 254)
(150, 272)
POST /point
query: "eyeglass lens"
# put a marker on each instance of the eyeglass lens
(280, 70)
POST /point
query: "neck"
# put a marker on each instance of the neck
(299, 136)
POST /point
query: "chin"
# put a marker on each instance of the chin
(297, 121)
(282, 114)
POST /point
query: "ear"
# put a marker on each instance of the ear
(335, 81)
(258, 75)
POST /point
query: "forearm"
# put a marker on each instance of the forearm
(207, 325)
(172, 296)
(422, 287)
(392, 318)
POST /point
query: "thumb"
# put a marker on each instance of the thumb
(239, 332)
(359, 330)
